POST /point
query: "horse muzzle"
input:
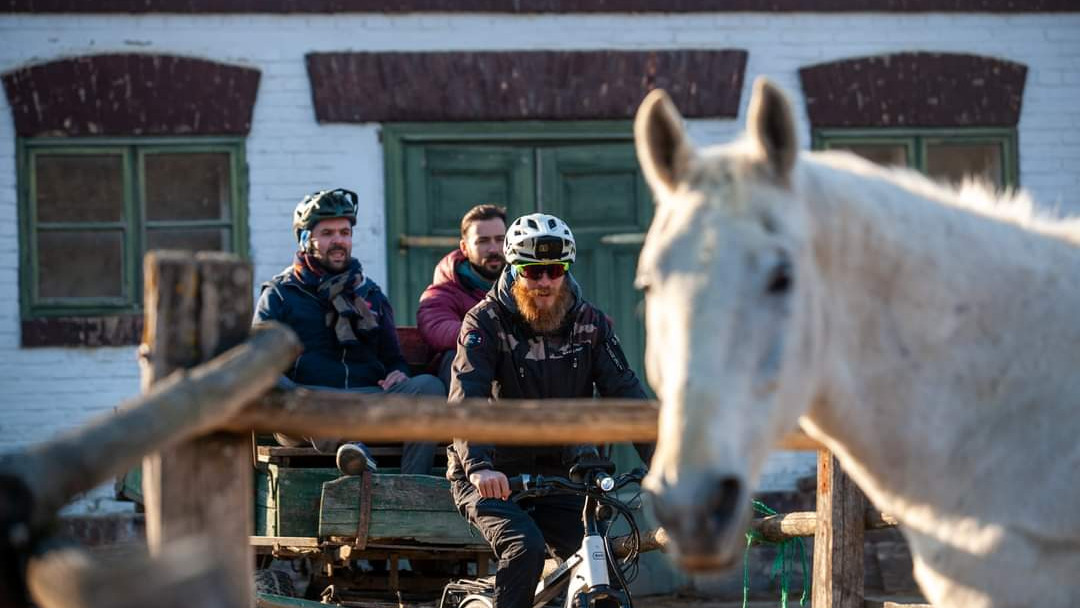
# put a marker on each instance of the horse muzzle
(705, 519)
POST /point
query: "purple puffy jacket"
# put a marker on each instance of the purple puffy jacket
(444, 303)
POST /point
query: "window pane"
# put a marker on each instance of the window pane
(882, 154)
(954, 162)
(82, 264)
(190, 239)
(187, 186)
(79, 188)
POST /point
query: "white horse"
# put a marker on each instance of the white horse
(929, 337)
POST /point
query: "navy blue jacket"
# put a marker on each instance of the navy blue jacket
(325, 362)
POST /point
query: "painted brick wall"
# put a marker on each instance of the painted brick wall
(44, 391)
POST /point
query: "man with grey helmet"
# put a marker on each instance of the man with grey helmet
(344, 321)
(532, 337)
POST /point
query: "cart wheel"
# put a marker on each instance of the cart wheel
(274, 582)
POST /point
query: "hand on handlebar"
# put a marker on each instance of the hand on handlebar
(490, 484)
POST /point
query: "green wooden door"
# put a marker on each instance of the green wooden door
(598, 190)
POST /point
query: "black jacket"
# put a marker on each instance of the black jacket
(499, 356)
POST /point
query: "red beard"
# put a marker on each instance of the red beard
(543, 320)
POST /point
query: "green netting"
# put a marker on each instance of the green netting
(787, 552)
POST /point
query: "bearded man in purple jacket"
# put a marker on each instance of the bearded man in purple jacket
(461, 280)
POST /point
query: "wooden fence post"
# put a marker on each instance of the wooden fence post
(197, 306)
(838, 539)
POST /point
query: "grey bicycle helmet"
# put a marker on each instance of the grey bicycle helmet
(539, 237)
(324, 205)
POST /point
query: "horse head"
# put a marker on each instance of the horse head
(729, 317)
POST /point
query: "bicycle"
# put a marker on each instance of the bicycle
(586, 576)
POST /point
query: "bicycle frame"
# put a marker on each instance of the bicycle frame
(585, 573)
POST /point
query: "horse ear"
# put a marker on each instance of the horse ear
(772, 126)
(663, 149)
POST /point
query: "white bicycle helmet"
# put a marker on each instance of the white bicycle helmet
(539, 237)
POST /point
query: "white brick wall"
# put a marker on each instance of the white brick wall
(43, 391)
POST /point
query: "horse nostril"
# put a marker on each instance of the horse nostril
(702, 514)
(722, 501)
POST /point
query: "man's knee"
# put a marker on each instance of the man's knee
(426, 384)
(527, 545)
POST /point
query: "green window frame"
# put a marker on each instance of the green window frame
(916, 142)
(133, 153)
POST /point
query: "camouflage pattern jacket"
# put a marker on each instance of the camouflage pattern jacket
(499, 356)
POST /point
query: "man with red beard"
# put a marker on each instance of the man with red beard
(461, 280)
(532, 337)
(345, 323)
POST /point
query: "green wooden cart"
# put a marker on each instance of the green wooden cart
(305, 509)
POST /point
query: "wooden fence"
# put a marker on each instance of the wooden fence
(206, 386)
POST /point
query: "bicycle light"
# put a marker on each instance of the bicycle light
(605, 483)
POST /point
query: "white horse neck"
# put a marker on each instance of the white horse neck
(952, 337)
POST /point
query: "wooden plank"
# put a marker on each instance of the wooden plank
(268, 600)
(264, 505)
(298, 493)
(392, 493)
(415, 508)
(284, 541)
(879, 603)
(426, 551)
(197, 307)
(427, 527)
(390, 418)
(268, 453)
(838, 541)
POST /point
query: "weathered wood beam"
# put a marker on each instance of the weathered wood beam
(784, 526)
(838, 539)
(187, 574)
(182, 406)
(377, 418)
(774, 528)
(651, 540)
(198, 305)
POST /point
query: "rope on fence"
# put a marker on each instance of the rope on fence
(782, 563)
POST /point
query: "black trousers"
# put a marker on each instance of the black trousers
(519, 534)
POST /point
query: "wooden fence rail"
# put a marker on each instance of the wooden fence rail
(381, 418)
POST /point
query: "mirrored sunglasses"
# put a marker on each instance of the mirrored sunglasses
(533, 272)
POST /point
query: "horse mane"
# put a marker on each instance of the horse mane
(979, 196)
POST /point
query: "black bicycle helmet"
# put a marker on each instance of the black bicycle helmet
(324, 205)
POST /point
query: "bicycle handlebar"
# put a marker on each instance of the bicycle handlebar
(604, 483)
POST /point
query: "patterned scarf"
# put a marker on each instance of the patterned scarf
(345, 294)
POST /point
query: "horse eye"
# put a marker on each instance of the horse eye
(780, 279)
